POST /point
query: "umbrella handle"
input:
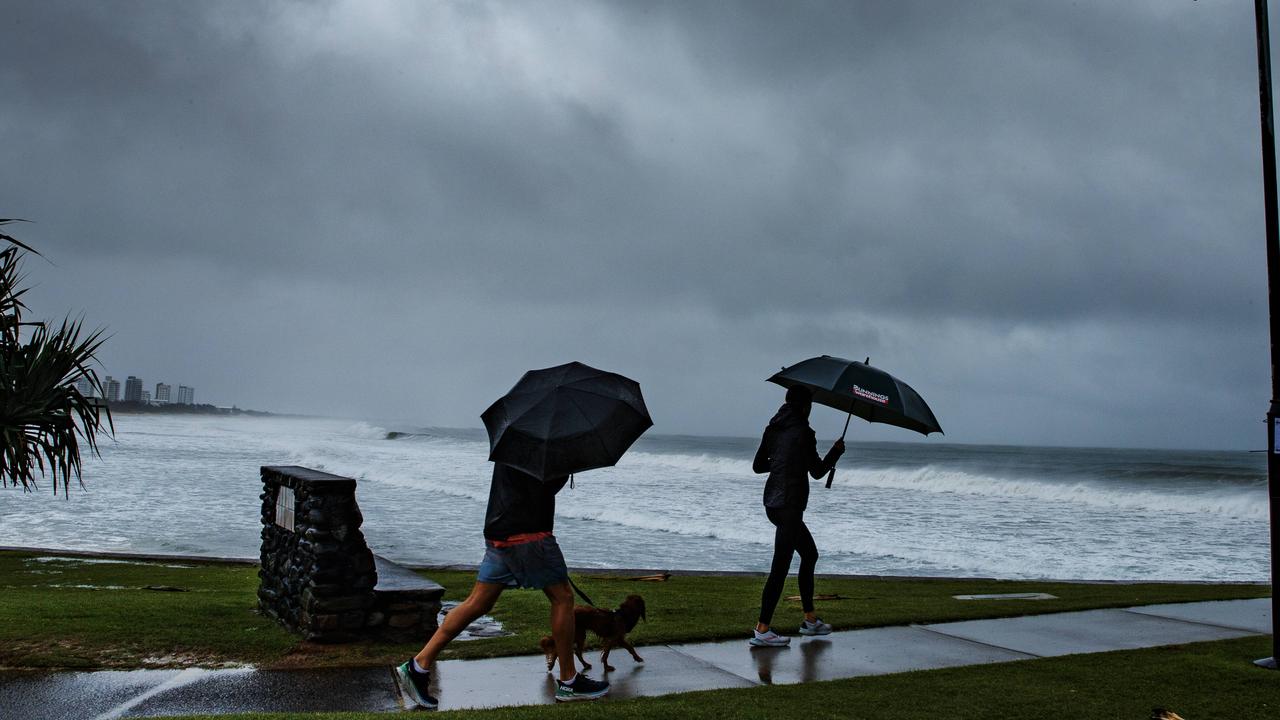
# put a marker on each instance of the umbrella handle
(832, 474)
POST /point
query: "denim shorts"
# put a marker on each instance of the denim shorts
(536, 564)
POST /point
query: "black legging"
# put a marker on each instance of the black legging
(790, 537)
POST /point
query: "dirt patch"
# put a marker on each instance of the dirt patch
(68, 654)
(313, 655)
(56, 654)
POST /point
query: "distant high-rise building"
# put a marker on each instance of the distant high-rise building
(112, 388)
(186, 395)
(146, 398)
(162, 394)
(85, 387)
(133, 389)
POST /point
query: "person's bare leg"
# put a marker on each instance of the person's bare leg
(479, 602)
(561, 597)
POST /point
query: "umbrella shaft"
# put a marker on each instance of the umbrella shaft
(831, 475)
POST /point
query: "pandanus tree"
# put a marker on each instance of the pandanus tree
(45, 420)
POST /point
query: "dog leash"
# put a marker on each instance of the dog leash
(581, 594)
(573, 584)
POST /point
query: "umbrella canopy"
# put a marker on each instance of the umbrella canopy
(565, 419)
(855, 387)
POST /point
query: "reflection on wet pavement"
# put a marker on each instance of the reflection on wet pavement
(104, 695)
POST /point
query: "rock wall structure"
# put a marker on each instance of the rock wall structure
(317, 574)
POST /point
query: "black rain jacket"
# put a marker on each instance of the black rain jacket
(788, 452)
(520, 503)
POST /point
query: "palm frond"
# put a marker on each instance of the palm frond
(45, 420)
(15, 241)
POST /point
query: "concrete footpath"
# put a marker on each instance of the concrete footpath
(667, 668)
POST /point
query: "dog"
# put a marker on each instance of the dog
(611, 626)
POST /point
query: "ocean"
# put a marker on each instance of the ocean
(178, 484)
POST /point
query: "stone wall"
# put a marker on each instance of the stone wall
(317, 574)
(317, 578)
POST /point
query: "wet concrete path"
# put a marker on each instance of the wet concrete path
(667, 668)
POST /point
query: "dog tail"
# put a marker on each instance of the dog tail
(548, 646)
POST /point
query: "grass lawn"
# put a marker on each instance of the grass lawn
(75, 613)
(1198, 681)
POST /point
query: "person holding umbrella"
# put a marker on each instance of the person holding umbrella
(788, 452)
(554, 422)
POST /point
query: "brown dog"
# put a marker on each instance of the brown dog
(611, 626)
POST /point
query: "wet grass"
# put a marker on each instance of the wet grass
(69, 613)
(1201, 680)
(75, 614)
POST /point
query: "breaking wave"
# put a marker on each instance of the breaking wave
(690, 503)
(698, 464)
(365, 431)
(1236, 503)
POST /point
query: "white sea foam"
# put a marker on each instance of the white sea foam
(366, 431)
(688, 463)
(1229, 503)
(630, 517)
(673, 503)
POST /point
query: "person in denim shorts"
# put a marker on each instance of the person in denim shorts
(520, 552)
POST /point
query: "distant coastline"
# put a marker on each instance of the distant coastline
(135, 408)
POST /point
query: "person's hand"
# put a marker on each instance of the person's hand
(838, 448)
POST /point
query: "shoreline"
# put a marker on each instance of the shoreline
(597, 571)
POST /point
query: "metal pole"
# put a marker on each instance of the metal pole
(1273, 305)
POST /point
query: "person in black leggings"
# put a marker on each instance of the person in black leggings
(789, 453)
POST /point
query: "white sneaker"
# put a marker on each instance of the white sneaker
(768, 638)
(817, 627)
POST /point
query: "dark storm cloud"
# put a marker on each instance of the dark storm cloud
(1012, 204)
(1013, 160)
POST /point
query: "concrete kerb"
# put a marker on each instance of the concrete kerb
(619, 572)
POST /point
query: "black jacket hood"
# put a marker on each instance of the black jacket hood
(787, 416)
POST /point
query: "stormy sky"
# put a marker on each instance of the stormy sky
(1047, 217)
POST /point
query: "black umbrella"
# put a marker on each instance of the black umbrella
(859, 389)
(565, 419)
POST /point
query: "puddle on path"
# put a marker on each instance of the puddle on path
(484, 626)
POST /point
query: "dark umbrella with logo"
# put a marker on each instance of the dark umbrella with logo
(565, 419)
(860, 389)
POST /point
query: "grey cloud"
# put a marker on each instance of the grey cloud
(497, 185)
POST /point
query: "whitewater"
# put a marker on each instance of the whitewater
(189, 485)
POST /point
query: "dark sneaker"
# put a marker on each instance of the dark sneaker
(413, 687)
(583, 688)
(817, 627)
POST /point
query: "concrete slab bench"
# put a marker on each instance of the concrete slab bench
(401, 601)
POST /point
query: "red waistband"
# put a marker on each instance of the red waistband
(520, 539)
